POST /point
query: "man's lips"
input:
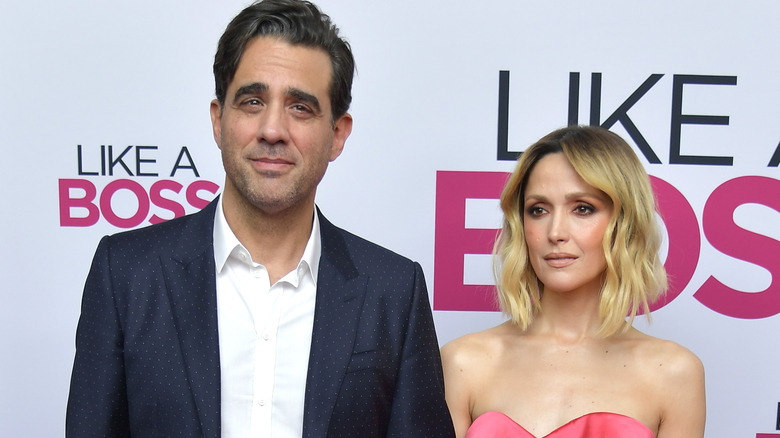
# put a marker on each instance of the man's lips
(270, 164)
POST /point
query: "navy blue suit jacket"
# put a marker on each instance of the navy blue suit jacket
(147, 353)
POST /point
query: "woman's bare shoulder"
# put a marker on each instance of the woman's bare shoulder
(475, 347)
(674, 376)
(470, 363)
(668, 359)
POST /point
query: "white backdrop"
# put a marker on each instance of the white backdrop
(100, 77)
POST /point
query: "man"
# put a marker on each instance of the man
(257, 316)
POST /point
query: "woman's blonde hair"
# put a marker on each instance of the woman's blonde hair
(634, 274)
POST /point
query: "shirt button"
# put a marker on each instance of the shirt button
(266, 336)
(261, 402)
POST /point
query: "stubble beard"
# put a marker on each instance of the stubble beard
(254, 193)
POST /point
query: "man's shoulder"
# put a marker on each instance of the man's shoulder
(177, 232)
(363, 252)
(368, 246)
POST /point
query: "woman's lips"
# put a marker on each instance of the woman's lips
(558, 260)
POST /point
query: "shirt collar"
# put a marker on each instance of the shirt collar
(225, 243)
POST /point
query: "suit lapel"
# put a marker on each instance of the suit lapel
(191, 285)
(340, 296)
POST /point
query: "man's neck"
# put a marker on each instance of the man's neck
(277, 241)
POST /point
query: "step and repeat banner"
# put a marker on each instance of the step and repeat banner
(105, 127)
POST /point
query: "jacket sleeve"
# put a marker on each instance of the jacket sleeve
(97, 403)
(419, 408)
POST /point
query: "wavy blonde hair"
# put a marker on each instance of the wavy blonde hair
(634, 274)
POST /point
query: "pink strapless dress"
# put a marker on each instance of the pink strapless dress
(494, 424)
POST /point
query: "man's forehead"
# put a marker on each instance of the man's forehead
(304, 67)
(269, 46)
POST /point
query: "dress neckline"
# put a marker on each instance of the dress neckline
(583, 417)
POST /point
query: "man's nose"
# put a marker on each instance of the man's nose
(273, 125)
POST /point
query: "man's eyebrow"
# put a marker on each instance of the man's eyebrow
(253, 88)
(305, 97)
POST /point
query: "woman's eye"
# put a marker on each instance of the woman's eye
(584, 209)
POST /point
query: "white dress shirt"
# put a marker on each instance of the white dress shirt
(264, 337)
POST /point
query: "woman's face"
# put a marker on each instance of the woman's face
(564, 222)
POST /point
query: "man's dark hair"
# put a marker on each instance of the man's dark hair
(297, 22)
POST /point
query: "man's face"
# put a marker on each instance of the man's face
(275, 129)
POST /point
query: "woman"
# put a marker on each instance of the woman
(577, 253)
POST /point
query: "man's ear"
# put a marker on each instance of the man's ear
(341, 130)
(216, 121)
